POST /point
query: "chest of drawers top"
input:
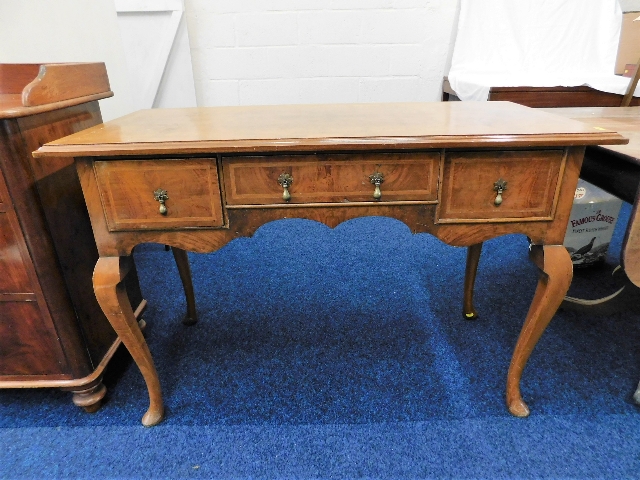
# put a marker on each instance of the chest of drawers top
(339, 127)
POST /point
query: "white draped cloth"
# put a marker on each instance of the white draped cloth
(536, 43)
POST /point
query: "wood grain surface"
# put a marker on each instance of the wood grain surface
(33, 88)
(624, 120)
(392, 126)
(62, 81)
(331, 178)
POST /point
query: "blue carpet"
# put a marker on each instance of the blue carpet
(342, 353)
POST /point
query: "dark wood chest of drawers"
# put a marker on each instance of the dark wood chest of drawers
(52, 330)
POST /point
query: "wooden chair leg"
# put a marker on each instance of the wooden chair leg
(473, 258)
(110, 291)
(182, 261)
(555, 277)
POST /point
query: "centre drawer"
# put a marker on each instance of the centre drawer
(331, 178)
(133, 193)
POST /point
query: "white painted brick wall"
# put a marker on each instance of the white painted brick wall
(248, 52)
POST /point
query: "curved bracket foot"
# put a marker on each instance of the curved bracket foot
(90, 399)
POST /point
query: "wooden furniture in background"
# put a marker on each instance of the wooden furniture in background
(547, 97)
(634, 74)
(573, 99)
(52, 330)
(629, 44)
(462, 171)
(616, 169)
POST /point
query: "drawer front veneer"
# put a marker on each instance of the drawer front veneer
(337, 178)
(127, 191)
(471, 181)
(14, 278)
(30, 344)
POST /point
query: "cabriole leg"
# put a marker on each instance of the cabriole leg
(473, 258)
(112, 297)
(182, 261)
(555, 277)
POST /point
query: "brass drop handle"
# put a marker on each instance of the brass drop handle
(285, 180)
(376, 179)
(499, 186)
(161, 196)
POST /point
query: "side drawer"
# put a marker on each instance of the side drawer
(338, 178)
(469, 181)
(127, 191)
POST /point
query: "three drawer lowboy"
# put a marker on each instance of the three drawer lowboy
(197, 178)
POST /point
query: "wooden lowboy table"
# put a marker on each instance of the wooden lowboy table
(197, 178)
